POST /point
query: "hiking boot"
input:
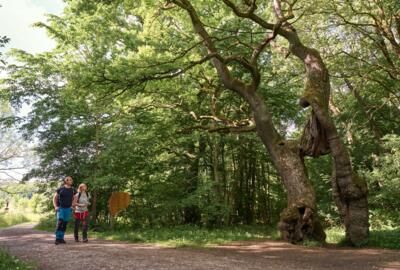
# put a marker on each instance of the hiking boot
(77, 240)
(57, 242)
(85, 240)
(62, 241)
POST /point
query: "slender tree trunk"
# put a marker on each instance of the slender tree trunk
(191, 213)
(94, 207)
(247, 177)
(217, 176)
(240, 191)
(265, 176)
(252, 159)
(95, 171)
(223, 172)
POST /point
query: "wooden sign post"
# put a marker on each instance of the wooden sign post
(118, 201)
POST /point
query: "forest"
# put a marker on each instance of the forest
(282, 113)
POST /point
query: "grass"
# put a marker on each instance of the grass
(8, 262)
(335, 235)
(7, 219)
(180, 236)
(12, 218)
(47, 223)
(385, 237)
(177, 236)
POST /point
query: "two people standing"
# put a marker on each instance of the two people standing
(64, 201)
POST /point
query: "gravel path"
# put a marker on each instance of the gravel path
(38, 246)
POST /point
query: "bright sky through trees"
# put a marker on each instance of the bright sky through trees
(17, 17)
(16, 20)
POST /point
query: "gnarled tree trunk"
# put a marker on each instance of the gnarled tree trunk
(320, 137)
(299, 220)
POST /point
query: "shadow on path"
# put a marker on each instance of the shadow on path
(38, 246)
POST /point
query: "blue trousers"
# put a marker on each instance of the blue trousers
(63, 216)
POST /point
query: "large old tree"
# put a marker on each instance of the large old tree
(119, 52)
(299, 220)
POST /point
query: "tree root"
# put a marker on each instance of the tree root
(298, 223)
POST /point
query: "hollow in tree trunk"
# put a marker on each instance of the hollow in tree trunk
(299, 220)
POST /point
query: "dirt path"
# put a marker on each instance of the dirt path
(28, 244)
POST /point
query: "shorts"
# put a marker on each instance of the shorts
(81, 215)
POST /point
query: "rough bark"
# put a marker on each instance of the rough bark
(299, 220)
(349, 190)
(313, 140)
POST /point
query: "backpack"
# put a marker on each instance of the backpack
(79, 196)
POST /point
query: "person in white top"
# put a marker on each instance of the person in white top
(81, 212)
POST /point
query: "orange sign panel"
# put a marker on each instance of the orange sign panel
(118, 201)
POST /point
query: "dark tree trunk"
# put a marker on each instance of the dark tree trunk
(94, 208)
(235, 194)
(191, 213)
(222, 169)
(265, 193)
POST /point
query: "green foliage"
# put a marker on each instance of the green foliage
(175, 236)
(21, 196)
(382, 237)
(119, 130)
(191, 236)
(8, 262)
(47, 222)
(36, 203)
(3, 41)
(24, 205)
(384, 183)
(10, 219)
(319, 170)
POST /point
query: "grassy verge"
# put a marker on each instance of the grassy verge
(177, 236)
(180, 236)
(8, 262)
(386, 237)
(13, 218)
(47, 223)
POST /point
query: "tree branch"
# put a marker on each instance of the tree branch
(218, 61)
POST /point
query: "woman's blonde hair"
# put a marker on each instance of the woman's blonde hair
(80, 187)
